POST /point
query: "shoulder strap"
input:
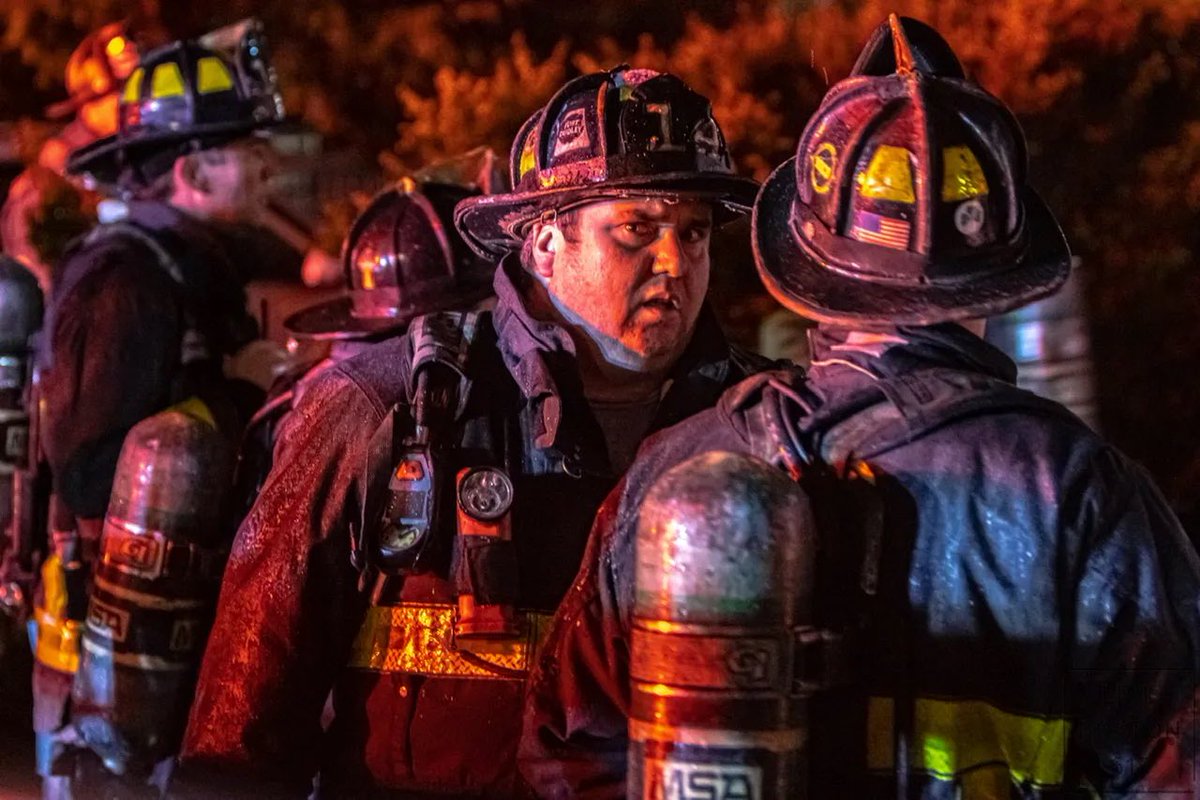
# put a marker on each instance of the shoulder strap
(439, 378)
(195, 346)
(162, 255)
(439, 382)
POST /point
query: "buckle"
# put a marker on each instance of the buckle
(820, 660)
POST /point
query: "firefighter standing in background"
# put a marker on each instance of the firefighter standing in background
(1030, 608)
(402, 258)
(45, 210)
(146, 306)
(430, 498)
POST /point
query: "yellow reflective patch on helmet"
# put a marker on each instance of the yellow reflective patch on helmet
(212, 76)
(963, 178)
(888, 176)
(167, 81)
(133, 86)
(528, 156)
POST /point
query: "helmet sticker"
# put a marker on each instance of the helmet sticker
(528, 154)
(824, 163)
(366, 264)
(167, 81)
(888, 176)
(212, 76)
(572, 133)
(877, 229)
(133, 86)
(963, 178)
(969, 218)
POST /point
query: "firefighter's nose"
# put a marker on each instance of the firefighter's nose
(668, 257)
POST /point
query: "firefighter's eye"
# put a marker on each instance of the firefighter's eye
(638, 230)
(695, 234)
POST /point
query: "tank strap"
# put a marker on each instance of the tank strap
(195, 346)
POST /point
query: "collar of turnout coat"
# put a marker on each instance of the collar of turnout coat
(542, 359)
(915, 347)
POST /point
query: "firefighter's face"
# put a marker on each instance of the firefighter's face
(235, 179)
(631, 273)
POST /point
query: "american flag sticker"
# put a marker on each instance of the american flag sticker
(878, 229)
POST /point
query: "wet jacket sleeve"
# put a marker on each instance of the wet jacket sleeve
(1136, 661)
(289, 608)
(114, 349)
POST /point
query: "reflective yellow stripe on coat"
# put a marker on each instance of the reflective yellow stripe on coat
(419, 639)
(57, 637)
(984, 749)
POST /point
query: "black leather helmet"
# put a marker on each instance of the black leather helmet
(607, 135)
(402, 258)
(907, 202)
(186, 96)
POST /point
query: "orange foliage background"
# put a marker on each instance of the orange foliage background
(1108, 90)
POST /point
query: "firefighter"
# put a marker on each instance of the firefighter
(1019, 609)
(30, 232)
(146, 306)
(430, 498)
(402, 258)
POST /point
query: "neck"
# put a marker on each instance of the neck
(184, 200)
(608, 372)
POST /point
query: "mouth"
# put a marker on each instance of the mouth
(662, 303)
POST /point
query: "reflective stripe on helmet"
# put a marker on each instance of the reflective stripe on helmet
(167, 81)
(212, 76)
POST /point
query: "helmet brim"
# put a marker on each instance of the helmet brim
(104, 159)
(333, 320)
(796, 278)
(493, 224)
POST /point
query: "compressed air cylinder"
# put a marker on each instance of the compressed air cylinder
(154, 590)
(1050, 344)
(725, 553)
(20, 318)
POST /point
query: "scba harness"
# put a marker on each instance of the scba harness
(443, 459)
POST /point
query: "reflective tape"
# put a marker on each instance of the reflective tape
(419, 639)
(962, 177)
(888, 176)
(972, 743)
(212, 76)
(133, 86)
(57, 637)
(167, 81)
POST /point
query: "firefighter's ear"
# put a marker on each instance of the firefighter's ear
(547, 239)
(189, 171)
